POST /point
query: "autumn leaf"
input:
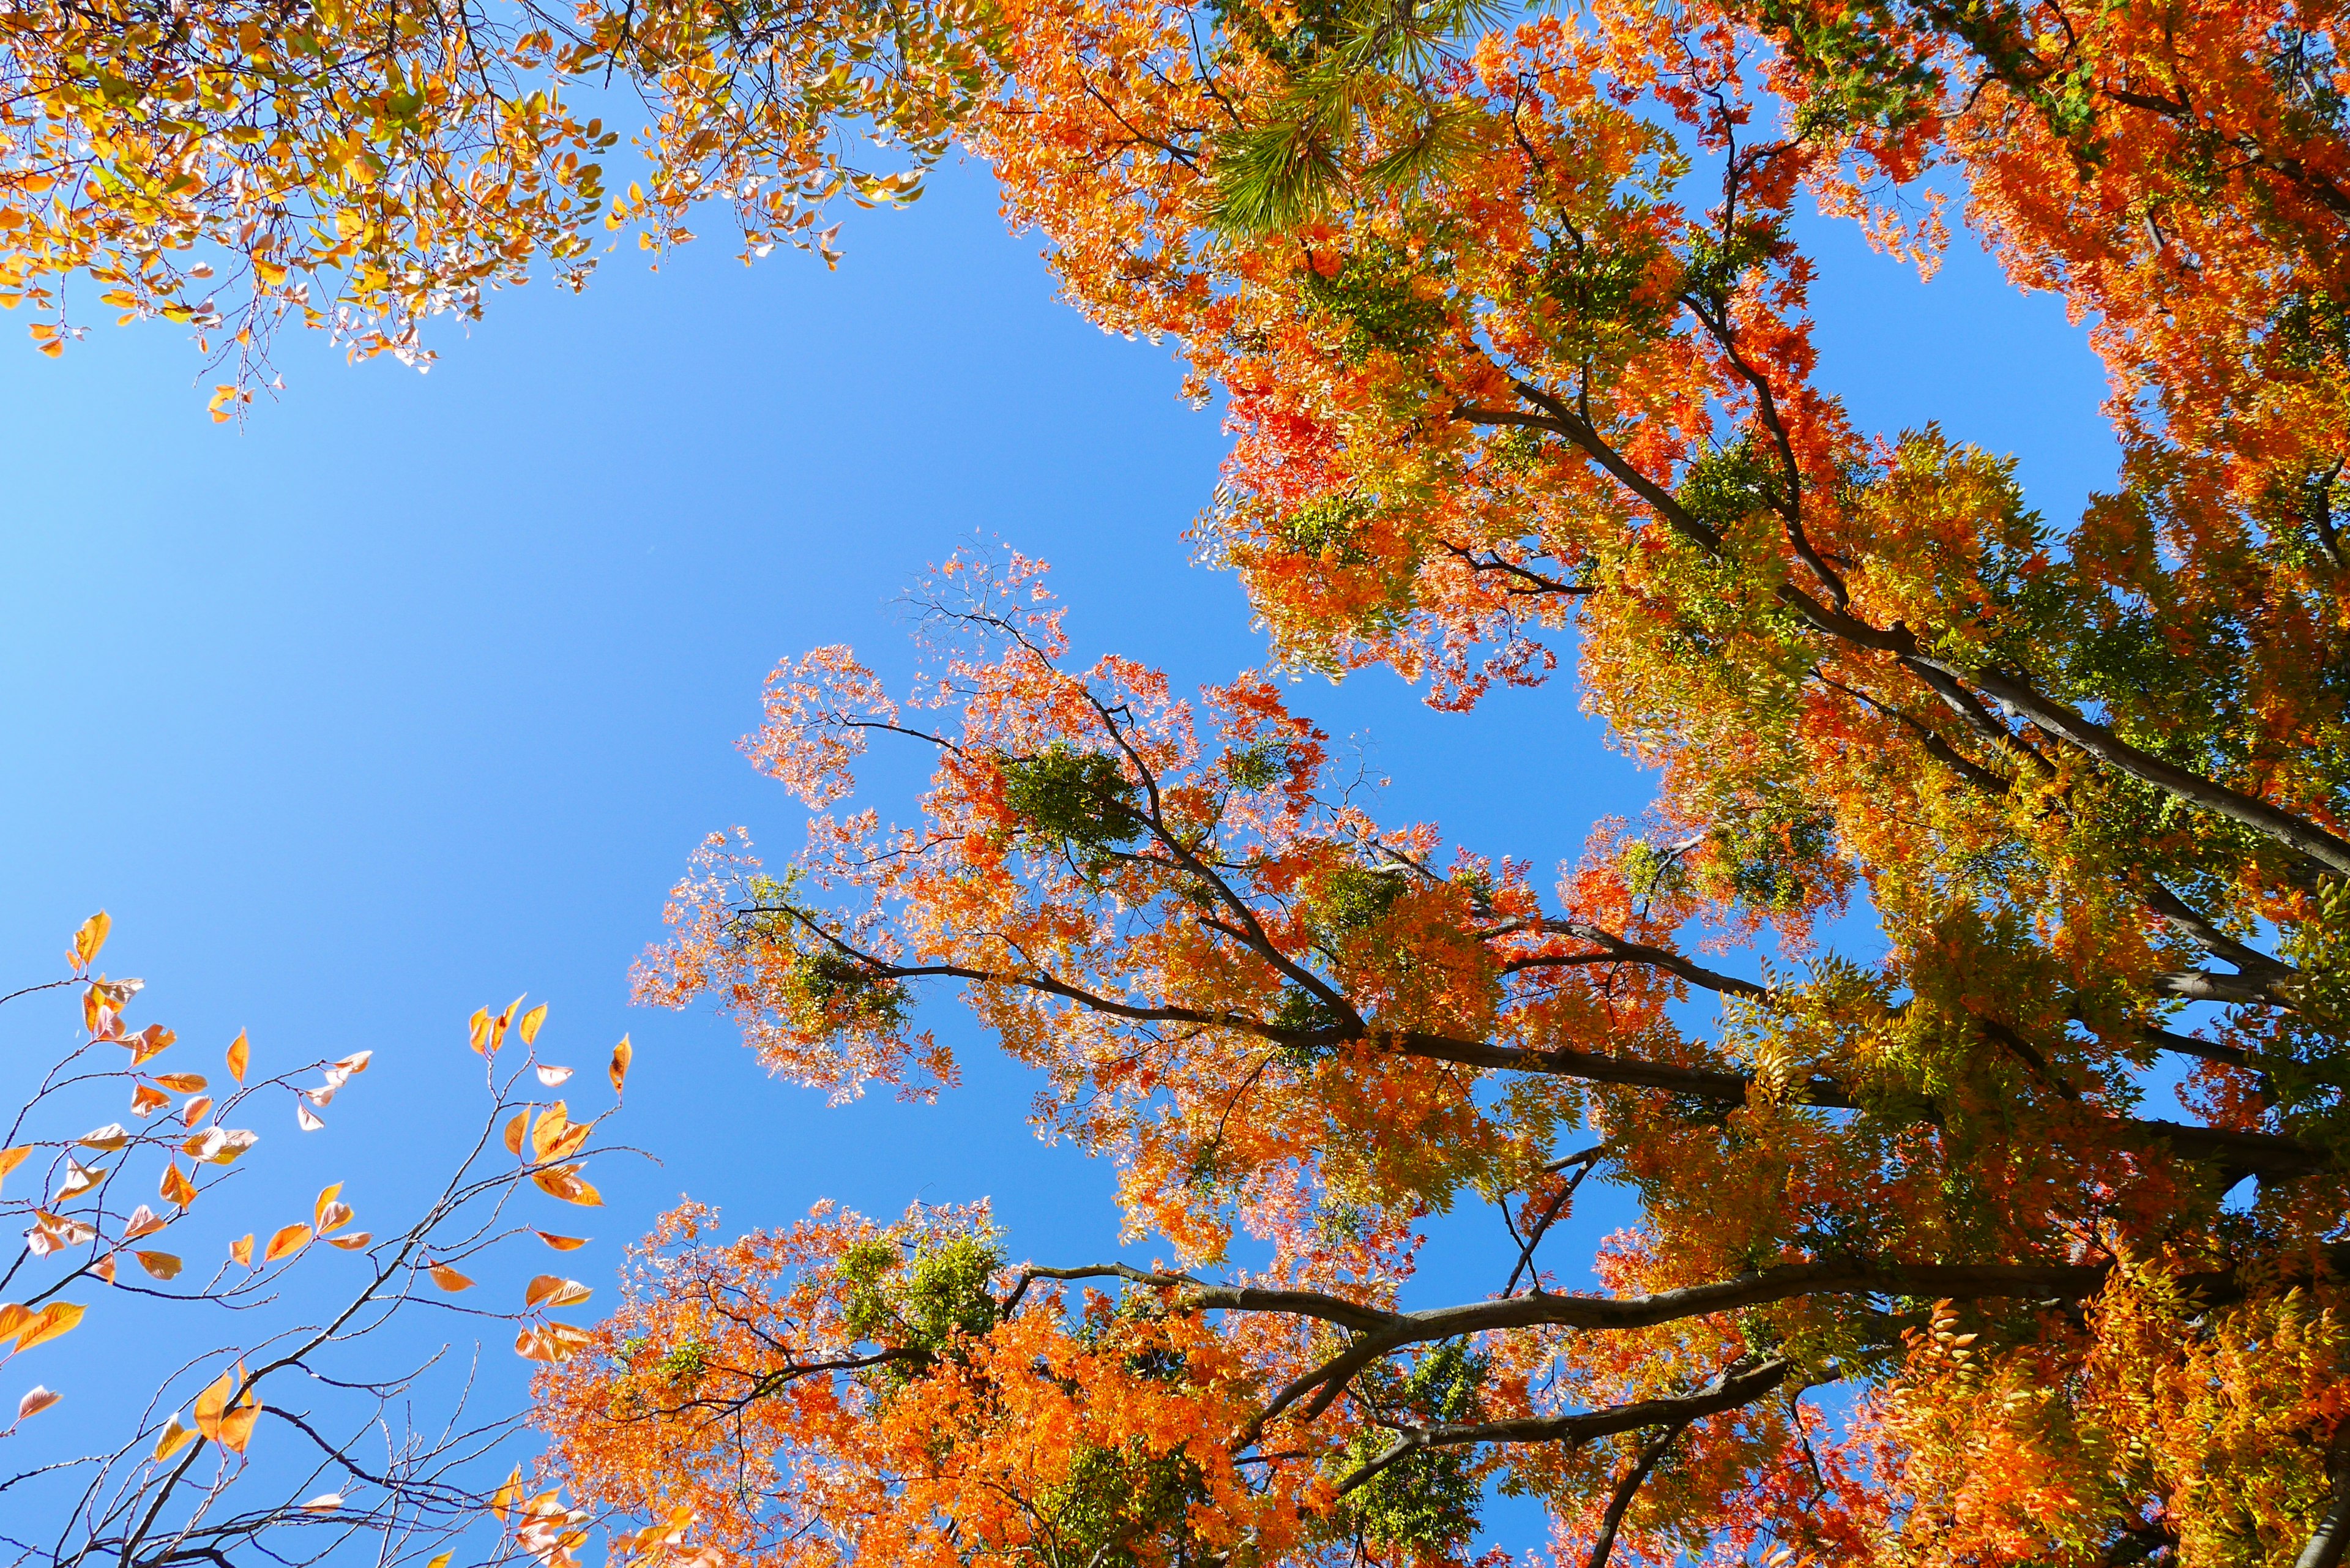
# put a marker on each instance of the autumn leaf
(90, 940)
(172, 1438)
(241, 1249)
(240, 1054)
(162, 1265)
(561, 1243)
(52, 1322)
(564, 1182)
(447, 1278)
(551, 1342)
(36, 1400)
(176, 1189)
(553, 1290)
(528, 1028)
(622, 1055)
(289, 1240)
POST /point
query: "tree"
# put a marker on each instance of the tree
(302, 1432)
(1513, 334)
(357, 166)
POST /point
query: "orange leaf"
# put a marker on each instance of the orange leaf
(289, 1240)
(151, 1043)
(551, 1126)
(352, 1242)
(10, 1158)
(554, 1291)
(36, 1400)
(449, 1279)
(622, 1055)
(327, 1196)
(213, 1403)
(107, 1138)
(181, 1082)
(562, 1243)
(162, 1265)
(514, 1131)
(104, 1268)
(172, 1438)
(551, 1342)
(146, 1099)
(13, 1319)
(193, 1111)
(88, 940)
(176, 1187)
(478, 1031)
(564, 1182)
(239, 1054)
(51, 1322)
(236, 1426)
(242, 1250)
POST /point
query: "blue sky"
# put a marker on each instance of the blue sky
(415, 691)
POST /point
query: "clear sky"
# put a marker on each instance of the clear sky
(414, 691)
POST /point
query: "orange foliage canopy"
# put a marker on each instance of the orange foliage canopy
(1515, 343)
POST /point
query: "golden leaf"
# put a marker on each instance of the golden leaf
(561, 1243)
(89, 939)
(176, 1187)
(239, 1054)
(528, 1029)
(162, 1265)
(564, 1182)
(181, 1082)
(52, 1322)
(554, 1291)
(622, 1055)
(447, 1278)
(289, 1240)
(174, 1437)
(327, 1196)
(242, 1250)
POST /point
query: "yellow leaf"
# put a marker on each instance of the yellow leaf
(239, 1054)
(562, 1243)
(236, 1426)
(449, 1279)
(514, 1132)
(442, 1560)
(507, 1495)
(530, 1021)
(107, 1139)
(622, 1055)
(162, 1265)
(213, 1403)
(478, 1030)
(52, 1322)
(89, 939)
(289, 1240)
(181, 1082)
(10, 1158)
(551, 1126)
(13, 1319)
(554, 1291)
(173, 1439)
(327, 1196)
(242, 1250)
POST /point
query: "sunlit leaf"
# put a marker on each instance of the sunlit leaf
(553, 1078)
(551, 1342)
(327, 1196)
(151, 1043)
(553, 1290)
(10, 1158)
(528, 1028)
(289, 1240)
(213, 1403)
(162, 1265)
(515, 1130)
(561, 1243)
(173, 1437)
(176, 1189)
(356, 1063)
(242, 1250)
(36, 1400)
(110, 1137)
(447, 1278)
(143, 1222)
(52, 1322)
(146, 1099)
(195, 1110)
(478, 1031)
(357, 1240)
(181, 1082)
(622, 1055)
(304, 1118)
(239, 1054)
(564, 1182)
(90, 940)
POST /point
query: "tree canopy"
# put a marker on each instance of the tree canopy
(1968, 1015)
